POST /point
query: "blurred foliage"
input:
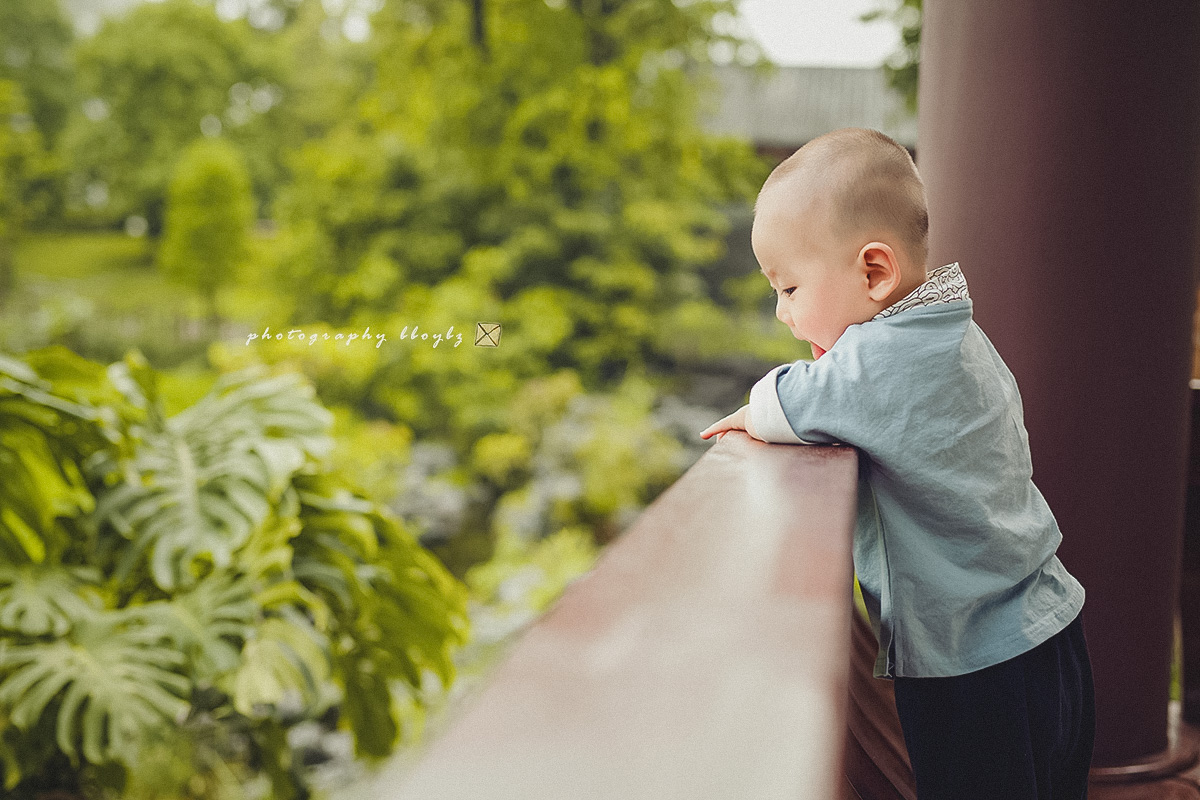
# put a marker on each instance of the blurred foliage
(554, 181)
(24, 166)
(527, 576)
(528, 457)
(583, 192)
(210, 215)
(903, 66)
(35, 54)
(539, 166)
(202, 578)
(164, 74)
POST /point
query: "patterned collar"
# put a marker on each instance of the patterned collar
(945, 284)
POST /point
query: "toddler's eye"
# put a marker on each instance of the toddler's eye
(789, 290)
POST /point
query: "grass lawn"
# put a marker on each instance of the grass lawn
(113, 270)
(79, 255)
(101, 293)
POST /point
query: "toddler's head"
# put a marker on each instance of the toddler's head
(840, 231)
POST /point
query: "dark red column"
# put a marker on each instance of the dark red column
(1059, 144)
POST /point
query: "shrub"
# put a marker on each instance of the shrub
(201, 579)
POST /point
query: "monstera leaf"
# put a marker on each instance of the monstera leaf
(403, 610)
(222, 564)
(40, 601)
(110, 682)
(285, 655)
(207, 624)
(206, 480)
(42, 432)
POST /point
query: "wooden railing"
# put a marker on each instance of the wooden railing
(713, 652)
(706, 654)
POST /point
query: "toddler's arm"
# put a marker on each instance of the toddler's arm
(806, 402)
(820, 403)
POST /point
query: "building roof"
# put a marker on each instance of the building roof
(793, 105)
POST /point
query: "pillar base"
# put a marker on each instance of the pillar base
(1182, 753)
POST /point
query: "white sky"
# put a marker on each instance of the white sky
(792, 32)
(820, 32)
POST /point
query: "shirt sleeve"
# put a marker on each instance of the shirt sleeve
(885, 387)
(808, 402)
(766, 410)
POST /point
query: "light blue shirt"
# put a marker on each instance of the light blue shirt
(954, 546)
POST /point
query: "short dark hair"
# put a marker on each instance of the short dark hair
(869, 181)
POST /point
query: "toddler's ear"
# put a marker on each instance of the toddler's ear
(883, 270)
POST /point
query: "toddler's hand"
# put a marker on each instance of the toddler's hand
(737, 421)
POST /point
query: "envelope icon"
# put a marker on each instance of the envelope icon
(487, 334)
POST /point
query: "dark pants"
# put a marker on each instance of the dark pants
(1018, 730)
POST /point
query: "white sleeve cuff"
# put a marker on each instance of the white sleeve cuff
(766, 413)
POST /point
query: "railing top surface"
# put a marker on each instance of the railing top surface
(705, 655)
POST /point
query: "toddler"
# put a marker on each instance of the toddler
(978, 622)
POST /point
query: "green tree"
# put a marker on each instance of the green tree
(35, 44)
(153, 81)
(556, 181)
(318, 78)
(24, 171)
(323, 76)
(210, 214)
(565, 167)
(903, 66)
